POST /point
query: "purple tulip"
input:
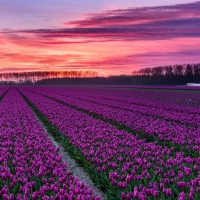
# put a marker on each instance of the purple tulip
(5, 197)
(34, 155)
(107, 147)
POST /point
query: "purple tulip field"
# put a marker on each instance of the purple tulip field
(30, 167)
(134, 143)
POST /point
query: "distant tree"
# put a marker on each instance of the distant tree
(196, 71)
(189, 73)
(178, 70)
(168, 71)
(146, 71)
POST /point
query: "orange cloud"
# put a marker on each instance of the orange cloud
(112, 42)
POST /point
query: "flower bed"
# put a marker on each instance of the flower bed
(30, 167)
(128, 166)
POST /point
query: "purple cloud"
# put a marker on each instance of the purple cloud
(139, 15)
(161, 22)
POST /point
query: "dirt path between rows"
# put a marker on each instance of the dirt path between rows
(73, 166)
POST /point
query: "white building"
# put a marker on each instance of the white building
(193, 84)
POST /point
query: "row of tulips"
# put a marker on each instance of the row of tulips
(156, 87)
(188, 119)
(131, 167)
(159, 129)
(177, 98)
(30, 166)
(3, 91)
(168, 100)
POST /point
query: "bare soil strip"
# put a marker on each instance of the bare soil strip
(72, 165)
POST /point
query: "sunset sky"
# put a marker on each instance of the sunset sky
(107, 36)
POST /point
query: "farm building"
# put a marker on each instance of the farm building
(193, 84)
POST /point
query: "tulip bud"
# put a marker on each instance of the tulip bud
(35, 195)
(5, 197)
(12, 197)
(155, 193)
(123, 195)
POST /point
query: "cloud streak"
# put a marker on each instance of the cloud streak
(147, 23)
(139, 15)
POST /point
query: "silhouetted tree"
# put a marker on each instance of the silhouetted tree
(189, 73)
(161, 75)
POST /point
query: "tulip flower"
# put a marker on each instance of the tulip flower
(107, 147)
(27, 155)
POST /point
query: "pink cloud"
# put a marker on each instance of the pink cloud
(139, 15)
(112, 42)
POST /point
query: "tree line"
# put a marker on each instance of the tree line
(36, 76)
(160, 75)
(168, 75)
